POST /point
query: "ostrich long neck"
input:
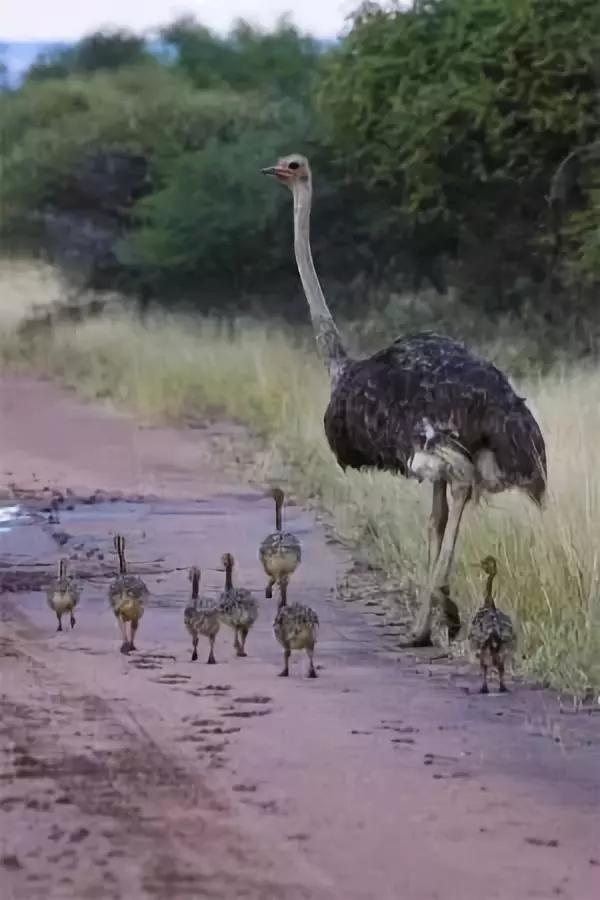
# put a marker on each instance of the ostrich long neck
(488, 600)
(329, 342)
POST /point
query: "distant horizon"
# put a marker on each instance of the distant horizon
(65, 21)
(19, 55)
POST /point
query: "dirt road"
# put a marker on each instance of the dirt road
(151, 776)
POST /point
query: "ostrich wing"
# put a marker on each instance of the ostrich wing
(428, 388)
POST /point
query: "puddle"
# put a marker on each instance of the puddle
(128, 509)
(11, 516)
(115, 510)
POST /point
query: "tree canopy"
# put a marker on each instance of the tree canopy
(435, 133)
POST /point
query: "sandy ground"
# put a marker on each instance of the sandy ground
(151, 776)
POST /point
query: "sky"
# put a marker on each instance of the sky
(28, 20)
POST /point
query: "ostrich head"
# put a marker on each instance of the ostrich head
(290, 170)
(227, 561)
(278, 496)
(488, 565)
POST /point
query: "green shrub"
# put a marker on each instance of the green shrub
(49, 128)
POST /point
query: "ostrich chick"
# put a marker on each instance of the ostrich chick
(128, 595)
(296, 627)
(237, 608)
(491, 634)
(63, 594)
(201, 618)
(280, 551)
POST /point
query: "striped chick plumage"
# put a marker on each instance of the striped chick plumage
(280, 552)
(492, 634)
(201, 618)
(238, 609)
(296, 627)
(127, 595)
(63, 594)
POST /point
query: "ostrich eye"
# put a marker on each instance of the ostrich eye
(294, 165)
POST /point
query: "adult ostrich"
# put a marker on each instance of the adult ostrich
(425, 407)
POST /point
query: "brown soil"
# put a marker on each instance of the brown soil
(150, 776)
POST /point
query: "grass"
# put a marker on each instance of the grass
(174, 367)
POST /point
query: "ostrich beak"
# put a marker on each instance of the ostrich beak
(277, 171)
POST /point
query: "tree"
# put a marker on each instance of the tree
(460, 110)
(98, 51)
(280, 62)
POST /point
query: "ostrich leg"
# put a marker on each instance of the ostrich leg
(436, 528)
(438, 578)
(437, 523)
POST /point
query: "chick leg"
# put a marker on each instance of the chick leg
(211, 656)
(310, 650)
(59, 617)
(242, 646)
(500, 667)
(133, 628)
(195, 648)
(484, 689)
(125, 648)
(286, 662)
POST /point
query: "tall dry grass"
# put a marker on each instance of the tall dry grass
(549, 562)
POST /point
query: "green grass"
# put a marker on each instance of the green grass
(549, 562)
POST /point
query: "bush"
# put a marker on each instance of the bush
(50, 128)
(214, 214)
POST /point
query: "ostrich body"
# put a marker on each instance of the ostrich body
(424, 407)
